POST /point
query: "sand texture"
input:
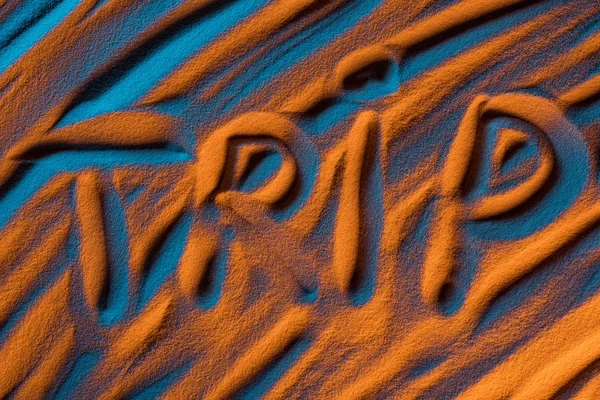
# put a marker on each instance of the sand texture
(300, 199)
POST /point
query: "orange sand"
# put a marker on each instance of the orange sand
(382, 347)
